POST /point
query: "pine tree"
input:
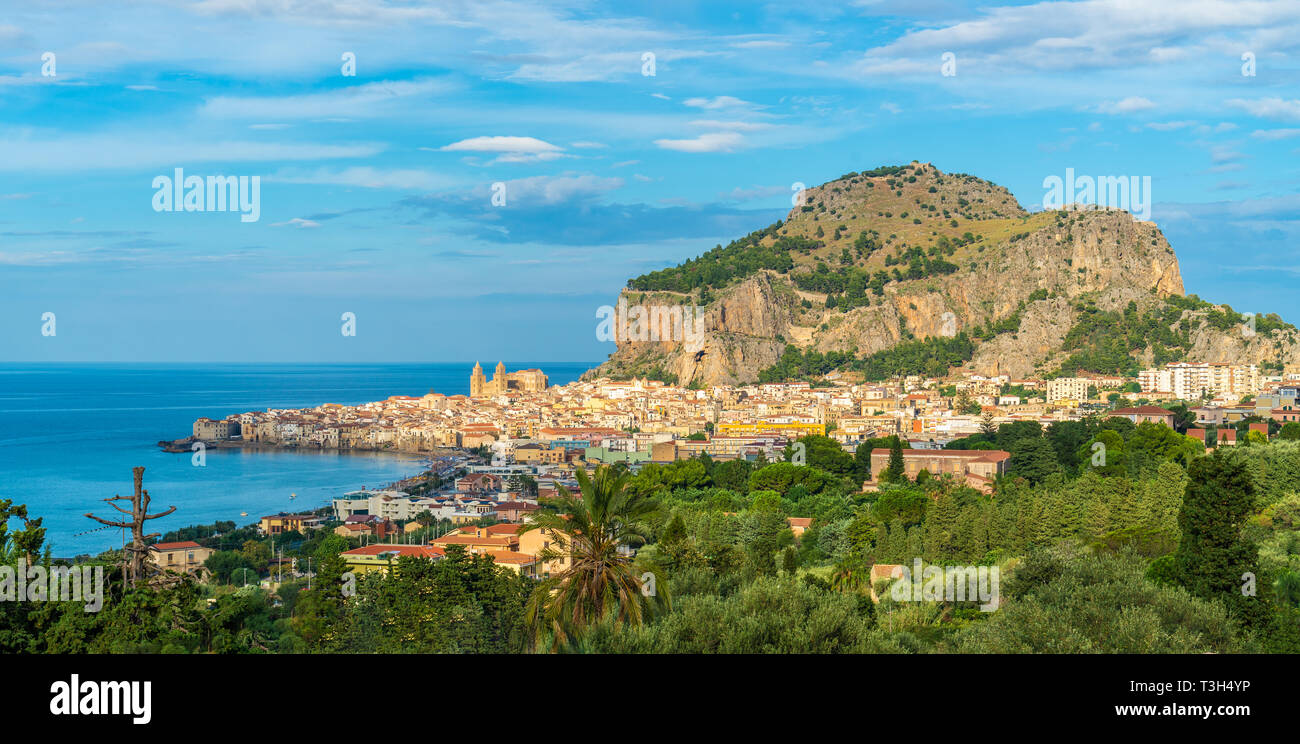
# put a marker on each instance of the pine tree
(674, 532)
(1213, 560)
(941, 529)
(895, 472)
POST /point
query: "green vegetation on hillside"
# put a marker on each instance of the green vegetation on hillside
(1106, 341)
(720, 266)
(1174, 552)
(931, 356)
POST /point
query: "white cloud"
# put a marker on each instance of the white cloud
(552, 190)
(1269, 135)
(709, 142)
(1268, 108)
(717, 102)
(1093, 34)
(361, 101)
(530, 145)
(510, 149)
(21, 151)
(365, 177)
(297, 222)
(739, 126)
(758, 192)
(1129, 105)
(761, 44)
(1169, 126)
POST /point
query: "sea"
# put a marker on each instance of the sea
(70, 434)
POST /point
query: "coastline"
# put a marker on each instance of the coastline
(185, 446)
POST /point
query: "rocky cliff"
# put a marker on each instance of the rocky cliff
(906, 254)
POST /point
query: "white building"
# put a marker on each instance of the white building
(1067, 388)
(1190, 380)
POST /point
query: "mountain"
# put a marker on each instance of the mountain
(909, 270)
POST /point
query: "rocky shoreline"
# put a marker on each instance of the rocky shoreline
(186, 445)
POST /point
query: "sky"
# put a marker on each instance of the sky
(616, 138)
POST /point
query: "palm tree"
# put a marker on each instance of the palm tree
(847, 576)
(595, 529)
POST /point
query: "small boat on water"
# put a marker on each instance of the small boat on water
(243, 514)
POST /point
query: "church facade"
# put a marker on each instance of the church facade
(528, 380)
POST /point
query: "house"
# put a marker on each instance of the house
(799, 525)
(1285, 414)
(520, 563)
(480, 540)
(185, 557)
(499, 542)
(380, 557)
(977, 468)
(533, 542)
(368, 525)
(537, 454)
(883, 572)
(515, 511)
(277, 523)
(479, 483)
(1146, 414)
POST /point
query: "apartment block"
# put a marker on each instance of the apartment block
(1191, 380)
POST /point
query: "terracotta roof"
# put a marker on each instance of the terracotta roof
(886, 571)
(1142, 410)
(175, 545)
(464, 540)
(520, 505)
(509, 556)
(986, 455)
(423, 551)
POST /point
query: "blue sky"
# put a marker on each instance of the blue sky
(376, 188)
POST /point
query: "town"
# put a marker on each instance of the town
(545, 432)
(530, 439)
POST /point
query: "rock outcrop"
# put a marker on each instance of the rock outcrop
(960, 255)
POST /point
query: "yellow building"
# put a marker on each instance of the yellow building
(533, 542)
(277, 523)
(185, 557)
(752, 428)
(526, 380)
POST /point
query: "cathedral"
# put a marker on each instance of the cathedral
(528, 380)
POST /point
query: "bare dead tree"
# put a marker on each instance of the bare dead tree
(137, 551)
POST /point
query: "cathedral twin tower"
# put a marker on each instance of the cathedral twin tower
(527, 380)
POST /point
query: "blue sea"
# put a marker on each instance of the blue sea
(70, 434)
